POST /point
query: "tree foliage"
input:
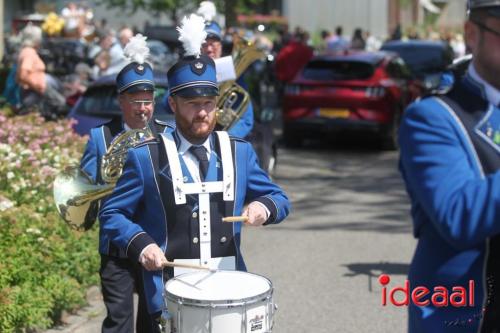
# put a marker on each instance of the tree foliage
(229, 8)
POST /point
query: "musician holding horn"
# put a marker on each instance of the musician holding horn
(169, 203)
(119, 275)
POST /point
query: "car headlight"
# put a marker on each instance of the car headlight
(375, 92)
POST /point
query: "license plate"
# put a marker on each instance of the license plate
(334, 113)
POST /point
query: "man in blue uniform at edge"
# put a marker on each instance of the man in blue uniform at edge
(450, 157)
(159, 209)
(119, 275)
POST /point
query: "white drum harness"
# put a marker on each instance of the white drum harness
(203, 190)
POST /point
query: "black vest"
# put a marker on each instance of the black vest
(183, 240)
(470, 109)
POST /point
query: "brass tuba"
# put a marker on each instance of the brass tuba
(233, 99)
(75, 195)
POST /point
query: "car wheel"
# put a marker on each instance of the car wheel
(291, 140)
(390, 134)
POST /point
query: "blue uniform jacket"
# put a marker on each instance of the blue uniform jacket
(134, 217)
(243, 126)
(455, 209)
(91, 163)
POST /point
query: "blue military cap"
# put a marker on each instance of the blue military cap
(193, 76)
(135, 77)
(492, 7)
(213, 30)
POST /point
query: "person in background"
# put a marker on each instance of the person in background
(38, 89)
(124, 36)
(450, 162)
(110, 59)
(338, 43)
(412, 33)
(213, 48)
(357, 41)
(74, 20)
(372, 43)
(397, 34)
(325, 36)
(295, 55)
(458, 45)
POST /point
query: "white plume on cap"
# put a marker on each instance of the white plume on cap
(136, 49)
(192, 34)
(207, 10)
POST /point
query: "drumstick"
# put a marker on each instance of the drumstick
(177, 264)
(235, 219)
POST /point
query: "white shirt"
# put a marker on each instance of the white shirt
(191, 161)
(492, 94)
(193, 164)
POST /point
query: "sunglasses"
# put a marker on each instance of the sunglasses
(138, 103)
(486, 28)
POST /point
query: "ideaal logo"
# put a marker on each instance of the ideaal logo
(439, 296)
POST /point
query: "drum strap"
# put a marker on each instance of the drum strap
(202, 189)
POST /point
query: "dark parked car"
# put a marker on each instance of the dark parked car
(165, 33)
(351, 91)
(426, 59)
(160, 56)
(99, 103)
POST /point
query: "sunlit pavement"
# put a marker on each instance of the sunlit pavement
(350, 222)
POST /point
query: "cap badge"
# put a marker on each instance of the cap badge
(139, 69)
(198, 67)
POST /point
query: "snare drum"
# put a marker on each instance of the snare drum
(220, 302)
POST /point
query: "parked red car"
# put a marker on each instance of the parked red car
(351, 91)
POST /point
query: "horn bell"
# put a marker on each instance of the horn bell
(77, 198)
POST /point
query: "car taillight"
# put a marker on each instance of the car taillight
(292, 89)
(375, 91)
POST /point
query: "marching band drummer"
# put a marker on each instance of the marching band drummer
(174, 192)
(119, 275)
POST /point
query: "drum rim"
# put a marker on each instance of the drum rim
(181, 300)
(222, 303)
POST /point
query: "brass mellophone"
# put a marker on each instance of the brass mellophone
(77, 197)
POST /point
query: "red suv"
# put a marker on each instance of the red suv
(351, 91)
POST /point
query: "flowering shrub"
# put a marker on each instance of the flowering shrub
(45, 267)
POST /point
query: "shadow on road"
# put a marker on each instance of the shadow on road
(327, 181)
(376, 269)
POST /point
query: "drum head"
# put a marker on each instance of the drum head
(218, 286)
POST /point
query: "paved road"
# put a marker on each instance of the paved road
(350, 222)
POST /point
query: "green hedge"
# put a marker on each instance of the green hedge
(45, 267)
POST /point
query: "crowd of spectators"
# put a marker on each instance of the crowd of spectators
(104, 52)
